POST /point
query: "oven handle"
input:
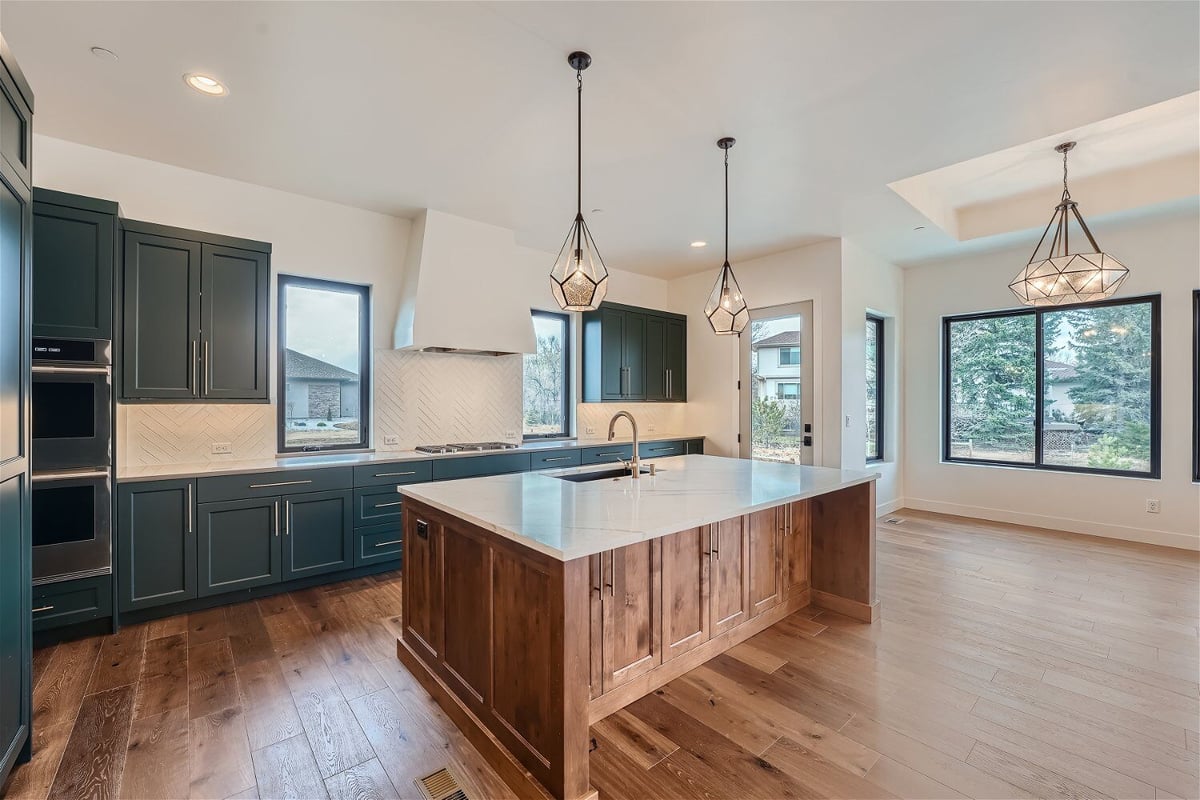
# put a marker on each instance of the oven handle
(72, 370)
(66, 476)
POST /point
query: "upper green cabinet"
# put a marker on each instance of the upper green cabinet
(634, 354)
(74, 250)
(194, 316)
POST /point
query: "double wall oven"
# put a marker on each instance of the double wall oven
(72, 418)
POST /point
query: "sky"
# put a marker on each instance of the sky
(323, 324)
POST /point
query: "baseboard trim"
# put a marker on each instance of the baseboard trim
(889, 507)
(1101, 529)
(863, 612)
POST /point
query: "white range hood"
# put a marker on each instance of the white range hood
(461, 291)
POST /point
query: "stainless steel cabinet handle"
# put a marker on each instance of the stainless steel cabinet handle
(66, 476)
(670, 393)
(389, 505)
(276, 505)
(207, 367)
(392, 541)
(190, 510)
(612, 566)
(70, 370)
(393, 474)
(43, 608)
(280, 483)
(287, 517)
(195, 367)
(556, 458)
(603, 455)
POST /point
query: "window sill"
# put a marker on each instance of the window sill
(1141, 476)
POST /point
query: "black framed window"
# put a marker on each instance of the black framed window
(1196, 385)
(547, 378)
(874, 373)
(1076, 389)
(324, 364)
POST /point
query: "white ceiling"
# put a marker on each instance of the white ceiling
(469, 107)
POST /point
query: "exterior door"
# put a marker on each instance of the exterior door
(317, 533)
(778, 395)
(631, 600)
(239, 545)
(727, 578)
(234, 309)
(766, 574)
(796, 544)
(156, 543)
(685, 600)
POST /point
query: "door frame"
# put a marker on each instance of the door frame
(809, 407)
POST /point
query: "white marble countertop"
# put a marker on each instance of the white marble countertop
(131, 474)
(568, 520)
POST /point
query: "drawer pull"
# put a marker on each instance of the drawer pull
(393, 474)
(660, 449)
(280, 483)
(389, 505)
(556, 458)
(43, 608)
(68, 476)
(602, 455)
(384, 544)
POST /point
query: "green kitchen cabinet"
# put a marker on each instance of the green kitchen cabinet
(675, 359)
(156, 543)
(239, 545)
(74, 250)
(195, 310)
(317, 533)
(633, 354)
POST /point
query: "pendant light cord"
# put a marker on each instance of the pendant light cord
(579, 145)
(1066, 195)
(727, 207)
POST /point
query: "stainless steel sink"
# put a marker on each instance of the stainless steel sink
(599, 475)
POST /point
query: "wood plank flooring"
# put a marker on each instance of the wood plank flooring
(1008, 663)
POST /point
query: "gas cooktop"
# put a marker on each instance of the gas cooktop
(465, 447)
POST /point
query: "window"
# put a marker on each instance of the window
(547, 381)
(1074, 388)
(787, 391)
(324, 364)
(789, 356)
(874, 416)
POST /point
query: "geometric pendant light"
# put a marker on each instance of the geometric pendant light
(726, 308)
(579, 279)
(1061, 276)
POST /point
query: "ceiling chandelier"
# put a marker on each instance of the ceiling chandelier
(1061, 277)
(579, 279)
(726, 308)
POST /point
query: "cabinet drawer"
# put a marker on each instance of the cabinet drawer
(556, 459)
(69, 602)
(401, 472)
(376, 505)
(272, 484)
(606, 454)
(661, 449)
(377, 543)
(474, 466)
(695, 447)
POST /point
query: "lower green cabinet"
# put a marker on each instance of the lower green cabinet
(240, 545)
(156, 543)
(68, 602)
(377, 543)
(317, 533)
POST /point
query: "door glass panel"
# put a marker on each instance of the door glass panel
(64, 410)
(63, 514)
(776, 389)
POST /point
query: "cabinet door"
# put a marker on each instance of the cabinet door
(632, 622)
(239, 545)
(612, 354)
(676, 359)
(156, 543)
(318, 536)
(685, 601)
(633, 355)
(727, 581)
(160, 318)
(596, 625)
(796, 543)
(234, 312)
(72, 272)
(766, 574)
(656, 358)
(422, 583)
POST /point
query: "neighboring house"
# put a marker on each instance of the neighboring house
(317, 389)
(777, 366)
(1060, 379)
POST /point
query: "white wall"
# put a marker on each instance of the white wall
(1163, 256)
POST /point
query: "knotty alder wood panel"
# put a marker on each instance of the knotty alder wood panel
(765, 565)
(729, 584)
(685, 601)
(631, 602)
(796, 543)
(842, 527)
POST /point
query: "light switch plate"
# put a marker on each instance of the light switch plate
(391, 439)
(222, 448)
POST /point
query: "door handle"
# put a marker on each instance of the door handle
(190, 510)
(43, 608)
(389, 505)
(612, 566)
(40, 370)
(207, 368)
(384, 544)
(670, 391)
(67, 476)
(287, 517)
(195, 367)
(276, 505)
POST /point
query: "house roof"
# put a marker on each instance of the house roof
(299, 366)
(781, 339)
(1058, 371)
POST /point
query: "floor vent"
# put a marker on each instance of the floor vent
(441, 785)
(894, 520)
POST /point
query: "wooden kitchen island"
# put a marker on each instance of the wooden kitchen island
(535, 605)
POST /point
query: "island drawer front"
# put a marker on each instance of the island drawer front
(557, 459)
(376, 505)
(403, 472)
(661, 449)
(272, 484)
(377, 543)
(607, 454)
(475, 466)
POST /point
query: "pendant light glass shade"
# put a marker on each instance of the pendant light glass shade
(726, 308)
(579, 279)
(1058, 276)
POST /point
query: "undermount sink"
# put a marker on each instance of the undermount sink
(599, 475)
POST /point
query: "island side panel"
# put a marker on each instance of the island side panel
(842, 527)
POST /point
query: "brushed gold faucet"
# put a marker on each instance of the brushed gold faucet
(635, 466)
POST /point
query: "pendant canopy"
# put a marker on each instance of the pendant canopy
(1059, 276)
(579, 279)
(726, 308)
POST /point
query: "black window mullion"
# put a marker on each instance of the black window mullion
(1039, 390)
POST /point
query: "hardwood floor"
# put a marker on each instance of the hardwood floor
(1008, 663)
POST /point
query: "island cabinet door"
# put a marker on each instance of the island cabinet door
(596, 625)
(728, 582)
(685, 608)
(422, 586)
(632, 623)
(765, 533)
(796, 542)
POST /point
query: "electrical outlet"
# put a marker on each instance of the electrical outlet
(1152, 506)
(650, 427)
(391, 439)
(510, 434)
(590, 430)
(222, 448)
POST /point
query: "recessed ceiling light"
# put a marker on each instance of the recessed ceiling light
(104, 53)
(699, 244)
(205, 84)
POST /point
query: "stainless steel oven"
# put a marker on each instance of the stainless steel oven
(71, 404)
(72, 524)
